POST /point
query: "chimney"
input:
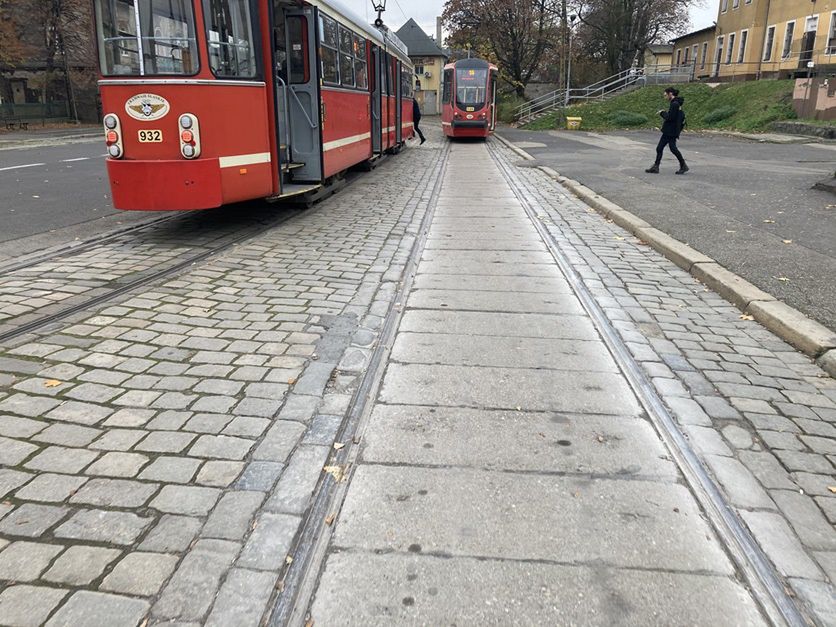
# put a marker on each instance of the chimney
(438, 35)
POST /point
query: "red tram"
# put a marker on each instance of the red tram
(208, 102)
(469, 98)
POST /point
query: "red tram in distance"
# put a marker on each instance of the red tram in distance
(468, 99)
(209, 102)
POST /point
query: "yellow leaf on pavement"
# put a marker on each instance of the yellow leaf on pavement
(338, 446)
(52, 383)
(747, 317)
(783, 279)
(787, 241)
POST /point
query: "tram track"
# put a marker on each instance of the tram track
(298, 580)
(17, 326)
(756, 569)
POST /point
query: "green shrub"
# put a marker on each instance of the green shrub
(506, 106)
(718, 115)
(628, 118)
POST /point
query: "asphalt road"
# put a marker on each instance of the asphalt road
(748, 205)
(50, 194)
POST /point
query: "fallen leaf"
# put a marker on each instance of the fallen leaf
(338, 446)
(783, 279)
(291, 381)
(747, 317)
(288, 560)
(619, 238)
(727, 231)
(52, 383)
(330, 520)
(601, 438)
(787, 241)
(338, 472)
(769, 221)
(832, 488)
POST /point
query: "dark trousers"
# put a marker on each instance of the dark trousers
(668, 140)
(418, 130)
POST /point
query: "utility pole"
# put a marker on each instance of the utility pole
(569, 61)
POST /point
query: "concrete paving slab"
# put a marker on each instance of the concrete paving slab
(488, 256)
(504, 388)
(501, 352)
(484, 244)
(502, 324)
(450, 266)
(425, 590)
(478, 513)
(494, 301)
(549, 442)
(475, 282)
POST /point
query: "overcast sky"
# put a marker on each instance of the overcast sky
(425, 12)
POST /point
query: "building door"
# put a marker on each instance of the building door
(808, 42)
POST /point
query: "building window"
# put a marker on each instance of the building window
(724, 6)
(419, 70)
(769, 43)
(735, 4)
(748, 1)
(744, 36)
(704, 54)
(785, 53)
(831, 37)
(696, 52)
(730, 51)
(679, 57)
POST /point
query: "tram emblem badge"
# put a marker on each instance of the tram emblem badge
(147, 107)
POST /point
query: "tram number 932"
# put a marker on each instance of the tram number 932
(150, 137)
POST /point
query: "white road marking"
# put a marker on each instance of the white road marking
(17, 167)
(76, 159)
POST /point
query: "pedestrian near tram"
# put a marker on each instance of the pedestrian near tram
(416, 119)
(674, 121)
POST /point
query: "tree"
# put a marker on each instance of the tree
(11, 48)
(514, 33)
(617, 31)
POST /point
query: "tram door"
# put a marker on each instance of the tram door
(377, 96)
(398, 91)
(298, 97)
(494, 76)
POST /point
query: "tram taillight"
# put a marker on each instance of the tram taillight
(113, 135)
(189, 136)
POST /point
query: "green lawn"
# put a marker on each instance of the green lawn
(749, 106)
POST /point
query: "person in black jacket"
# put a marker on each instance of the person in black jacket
(674, 120)
(416, 119)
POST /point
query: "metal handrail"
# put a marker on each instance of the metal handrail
(287, 113)
(312, 124)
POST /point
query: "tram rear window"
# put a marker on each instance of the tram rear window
(471, 87)
(146, 37)
(229, 31)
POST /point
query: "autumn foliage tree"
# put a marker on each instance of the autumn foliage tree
(514, 33)
(616, 32)
(12, 50)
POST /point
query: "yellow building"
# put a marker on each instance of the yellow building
(429, 60)
(695, 50)
(658, 55)
(764, 39)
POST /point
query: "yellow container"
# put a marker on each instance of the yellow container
(573, 124)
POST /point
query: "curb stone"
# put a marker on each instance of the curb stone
(792, 326)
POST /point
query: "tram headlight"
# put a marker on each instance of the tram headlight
(113, 136)
(189, 136)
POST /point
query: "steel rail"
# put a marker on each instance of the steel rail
(767, 587)
(297, 585)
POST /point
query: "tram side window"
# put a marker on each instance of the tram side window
(140, 37)
(406, 82)
(360, 66)
(447, 93)
(229, 29)
(346, 57)
(329, 50)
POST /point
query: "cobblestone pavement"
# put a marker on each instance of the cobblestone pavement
(158, 454)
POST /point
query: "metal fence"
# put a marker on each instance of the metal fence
(59, 110)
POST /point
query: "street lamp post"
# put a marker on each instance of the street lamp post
(380, 7)
(569, 61)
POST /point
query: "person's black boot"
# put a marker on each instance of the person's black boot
(654, 169)
(683, 168)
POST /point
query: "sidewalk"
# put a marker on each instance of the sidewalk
(40, 136)
(508, 471)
